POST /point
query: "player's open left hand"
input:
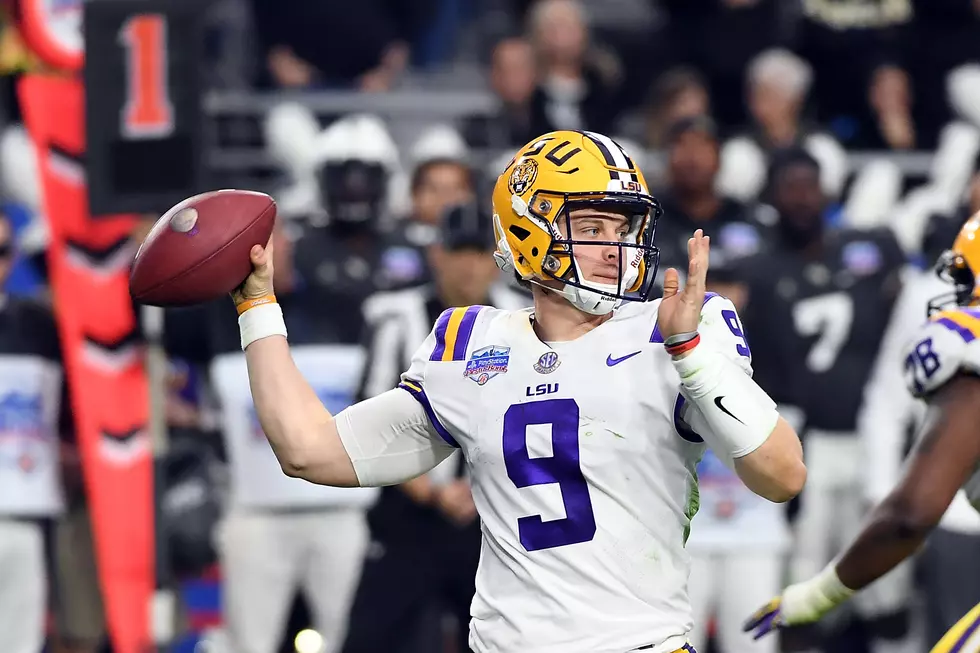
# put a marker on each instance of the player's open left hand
(680, 309)
(259, 282)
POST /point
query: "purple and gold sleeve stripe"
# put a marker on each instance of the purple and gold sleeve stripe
(963, 636)
(415, 389)
(656, 336)
(453, 331)
(964, 322)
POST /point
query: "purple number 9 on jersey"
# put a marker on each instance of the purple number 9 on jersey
(562, 467)
(731, 319)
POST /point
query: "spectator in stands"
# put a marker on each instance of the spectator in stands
(778, 82)
(943, 38)
(31, 489)
(677, 94)
(435, 185)
(858, 50)
(360, 45)
(426, 535)
(690, 201)
(513, 79)
(577, 82)
(719, 38)
(281, 535)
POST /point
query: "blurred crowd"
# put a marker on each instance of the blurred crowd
(777, 127)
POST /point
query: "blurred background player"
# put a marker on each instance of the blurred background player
(280, 535)
(341, 244)
(940, 367)
(692, 201)
(31, 490)
(821, 300)
(425, 532)
(435, 185)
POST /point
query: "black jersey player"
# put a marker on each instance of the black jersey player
(817, 305)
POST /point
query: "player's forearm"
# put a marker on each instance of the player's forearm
(743, 425)
(301, 431)
(775, 470)
(890, 536)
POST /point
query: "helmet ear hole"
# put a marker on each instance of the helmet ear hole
(534, 251)
(520, 232)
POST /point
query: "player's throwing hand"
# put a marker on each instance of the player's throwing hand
(680, 310)
(258, 284)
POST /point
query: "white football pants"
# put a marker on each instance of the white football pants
(730, 586)
(23, 587)
(266, 557)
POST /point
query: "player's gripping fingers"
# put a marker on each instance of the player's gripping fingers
(764, 620)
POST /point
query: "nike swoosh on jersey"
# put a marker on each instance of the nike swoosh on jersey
(725, 410)
(610, 361)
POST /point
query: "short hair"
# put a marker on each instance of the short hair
(787, 158)
(703, 125)
(538, 12)
(422, 170)
(783, 68)
(672, 84)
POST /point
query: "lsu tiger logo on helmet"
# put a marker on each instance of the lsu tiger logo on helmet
(523, 176)
(534, 197)
(960, 266)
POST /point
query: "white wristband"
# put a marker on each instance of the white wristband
(810, 600)
(261, 322)
(736, 411)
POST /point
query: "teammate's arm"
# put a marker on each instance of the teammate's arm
(944, 459)
(384, 440)
(942, 462)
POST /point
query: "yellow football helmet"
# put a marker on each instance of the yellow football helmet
(554, 175)
(960, 266)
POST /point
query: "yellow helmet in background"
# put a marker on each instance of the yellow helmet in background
(549, 178)
(960, 266)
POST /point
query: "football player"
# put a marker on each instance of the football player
(581, 419)
(942, 365)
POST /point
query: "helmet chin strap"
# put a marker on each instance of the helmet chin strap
(586, 298)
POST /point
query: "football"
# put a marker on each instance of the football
(199, 250)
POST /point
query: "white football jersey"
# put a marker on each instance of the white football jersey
(948, 343)
(583, 472)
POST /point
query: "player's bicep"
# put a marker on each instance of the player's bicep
(390, 439)
(947, 453)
